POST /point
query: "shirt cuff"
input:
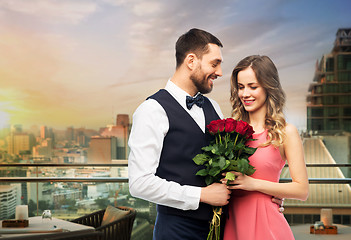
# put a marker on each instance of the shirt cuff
(193, 195)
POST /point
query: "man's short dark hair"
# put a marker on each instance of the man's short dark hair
(194, 41)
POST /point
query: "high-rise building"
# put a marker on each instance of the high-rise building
(122, 120)
(44, 149)
(8, 200)
(121, 132)
(329, 101)
(19, 143)
(44, 132)
(70, 133)
(22, 190)
(102, 149)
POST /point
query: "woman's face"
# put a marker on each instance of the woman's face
(252, 95)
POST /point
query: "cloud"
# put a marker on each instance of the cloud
(53, 10)
(53, 63)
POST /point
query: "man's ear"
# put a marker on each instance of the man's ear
(191, 61)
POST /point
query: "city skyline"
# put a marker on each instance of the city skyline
(80, 63)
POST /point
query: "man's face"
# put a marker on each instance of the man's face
(208, 69)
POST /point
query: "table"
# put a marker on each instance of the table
(37, 225)
(302, 232)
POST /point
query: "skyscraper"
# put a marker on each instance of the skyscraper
(329, 101)
(44, 132)
(121, 132)
(8, 200)
(102, 149)
(20, 142)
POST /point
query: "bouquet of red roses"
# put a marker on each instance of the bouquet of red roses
(227, 152)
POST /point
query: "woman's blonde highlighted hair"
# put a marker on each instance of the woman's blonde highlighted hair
(267, 76)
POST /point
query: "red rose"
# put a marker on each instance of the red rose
(216, 126)
(212, 128)
(230, 125)
(221, 124)
(249, 132)
(241, 127)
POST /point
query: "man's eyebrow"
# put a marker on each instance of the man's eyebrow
(217, 60)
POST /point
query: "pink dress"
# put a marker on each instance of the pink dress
(253, 215)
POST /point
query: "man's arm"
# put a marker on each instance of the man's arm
(150, 125)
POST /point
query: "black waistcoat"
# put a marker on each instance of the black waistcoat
(183, 141)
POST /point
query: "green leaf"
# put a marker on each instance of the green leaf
(202, 172)
(233, 168)
(200, 159)
(215, 164)
(250, 150)
(229, 153)
(214, 171)
(251, 170)
(227, 163)
(230, 176)
(243, 165)
(209, 180)
(207, 148)
(214, 150)
(221, 149)
(239, 146)
(222, 163)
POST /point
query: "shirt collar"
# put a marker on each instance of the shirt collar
(178, 93)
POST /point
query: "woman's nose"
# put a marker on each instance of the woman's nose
(246, 93)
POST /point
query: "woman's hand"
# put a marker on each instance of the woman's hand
(241, 181)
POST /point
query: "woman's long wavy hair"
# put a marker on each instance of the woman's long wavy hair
(267, 76)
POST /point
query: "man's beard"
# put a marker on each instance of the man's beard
(200, 81)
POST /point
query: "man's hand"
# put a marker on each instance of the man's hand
(280, 202)
(215, 194)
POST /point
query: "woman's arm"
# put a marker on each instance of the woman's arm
(298, 188)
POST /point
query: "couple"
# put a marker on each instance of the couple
(169, 130)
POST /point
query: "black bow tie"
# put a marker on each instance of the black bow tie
(198, 100)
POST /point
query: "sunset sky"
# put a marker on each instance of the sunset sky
(80, 62)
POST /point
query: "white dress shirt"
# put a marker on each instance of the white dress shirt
(150, 126)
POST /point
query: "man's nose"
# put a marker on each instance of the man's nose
(219, 71)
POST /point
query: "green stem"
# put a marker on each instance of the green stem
(236, 138)
(226, 140)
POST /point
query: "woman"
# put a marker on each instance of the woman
(258, 98)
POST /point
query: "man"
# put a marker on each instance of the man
(168, 131)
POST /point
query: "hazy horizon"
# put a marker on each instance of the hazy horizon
(80, 63)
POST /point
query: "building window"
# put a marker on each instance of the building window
(329, 65)
(330, 100)
(330, 88)
(317, 112)
(318, 89)
(318, 100)
(344, 62)
(330, 78)
(347, 125)
(344, 77)
(332, 124)
(332, 112)
(317, 124)
(345, 100)
(344, 88)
